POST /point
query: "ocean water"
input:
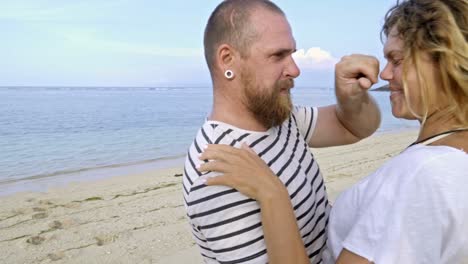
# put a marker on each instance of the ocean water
(63, 132)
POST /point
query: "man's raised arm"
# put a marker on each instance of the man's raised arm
(356, 114)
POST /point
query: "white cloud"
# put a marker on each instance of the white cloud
(314, 58)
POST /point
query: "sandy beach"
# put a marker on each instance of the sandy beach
(140, 218)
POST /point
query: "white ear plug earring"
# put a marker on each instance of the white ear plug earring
(229, 74)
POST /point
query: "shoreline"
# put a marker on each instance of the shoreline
(139, 217)
(40, 183)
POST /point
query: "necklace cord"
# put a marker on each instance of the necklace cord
(438, 134)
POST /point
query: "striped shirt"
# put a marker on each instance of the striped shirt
(226, 224)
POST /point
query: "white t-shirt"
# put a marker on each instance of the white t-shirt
(414, 209)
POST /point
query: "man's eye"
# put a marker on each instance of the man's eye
(279, 55)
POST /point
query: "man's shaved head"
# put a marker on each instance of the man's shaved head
(230, 24)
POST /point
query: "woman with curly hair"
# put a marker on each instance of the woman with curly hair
(414, 209)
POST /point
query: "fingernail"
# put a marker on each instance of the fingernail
(203, 181)
(205, 147)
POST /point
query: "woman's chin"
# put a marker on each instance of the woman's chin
(399, 113)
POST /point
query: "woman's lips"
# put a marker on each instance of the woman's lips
(395, 93)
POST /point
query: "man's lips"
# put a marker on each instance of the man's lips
(285, 90)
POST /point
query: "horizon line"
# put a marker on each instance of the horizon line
(137, 87)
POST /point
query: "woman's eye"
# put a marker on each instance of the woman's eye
(396, 62)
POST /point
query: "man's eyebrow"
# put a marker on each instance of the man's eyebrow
(284, 51)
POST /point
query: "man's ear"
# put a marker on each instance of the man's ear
(226, 57)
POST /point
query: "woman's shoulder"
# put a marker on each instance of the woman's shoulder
(415, 171)
(424, 161)
(420, 156)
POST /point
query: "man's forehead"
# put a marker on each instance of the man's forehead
(265, 21)
(275, 33)
(280, 46)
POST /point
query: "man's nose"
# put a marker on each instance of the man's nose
(292, 71)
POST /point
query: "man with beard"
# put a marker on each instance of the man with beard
(248, 47)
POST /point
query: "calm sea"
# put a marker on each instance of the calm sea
(52, 133)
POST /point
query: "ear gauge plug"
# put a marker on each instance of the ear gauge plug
(229, 74)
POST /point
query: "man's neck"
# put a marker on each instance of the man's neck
(233, 112)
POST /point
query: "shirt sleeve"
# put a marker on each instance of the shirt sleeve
(225, 224)
(412, 220)
(306, 120)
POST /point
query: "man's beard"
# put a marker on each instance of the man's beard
(268, 106)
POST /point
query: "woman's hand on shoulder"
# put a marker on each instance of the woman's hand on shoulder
(242, 169)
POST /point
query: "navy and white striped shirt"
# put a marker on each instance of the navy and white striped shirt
(226, 224)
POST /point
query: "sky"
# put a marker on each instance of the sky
(148, 43)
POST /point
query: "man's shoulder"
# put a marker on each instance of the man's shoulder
(211, 132)
(216, 132)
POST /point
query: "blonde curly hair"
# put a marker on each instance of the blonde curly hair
(438, 28)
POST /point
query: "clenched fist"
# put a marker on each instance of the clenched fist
(354, 75)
